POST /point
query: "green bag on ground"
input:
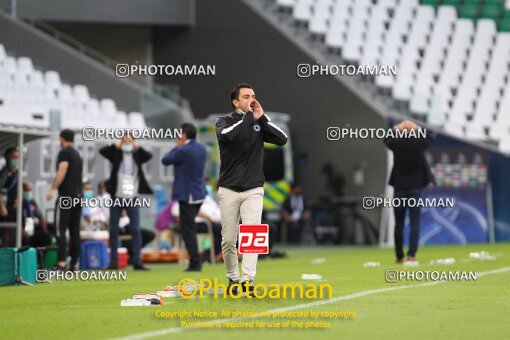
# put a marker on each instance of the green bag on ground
(50, 257)
(12, 263)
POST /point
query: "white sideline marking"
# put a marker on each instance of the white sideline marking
(150, 334)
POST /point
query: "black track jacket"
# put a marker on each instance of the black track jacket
(241, 139)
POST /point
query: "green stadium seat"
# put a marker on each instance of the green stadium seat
(473, 2)
(433, 3)
(495, 2)
(504, 25)
(491, 12)
(452, 2)
(506, 14)
(469, 12)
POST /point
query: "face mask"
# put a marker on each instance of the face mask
(127, 148)
(88, 194)
(28, 195)
(14, 163)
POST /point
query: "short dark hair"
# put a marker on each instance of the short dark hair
(189, 130)
(67, 135)
(237, 89)
(9, 151)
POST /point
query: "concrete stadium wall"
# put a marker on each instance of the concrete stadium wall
(151, 12)
(130, 44)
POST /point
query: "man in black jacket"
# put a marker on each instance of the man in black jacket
(410, 174)
(241, 136)
(127, 180)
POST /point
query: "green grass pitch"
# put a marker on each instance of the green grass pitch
(448, 310)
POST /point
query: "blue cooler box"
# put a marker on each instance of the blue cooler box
(94, 255)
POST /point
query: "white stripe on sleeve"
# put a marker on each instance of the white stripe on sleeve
(230, 128)
(277, 128)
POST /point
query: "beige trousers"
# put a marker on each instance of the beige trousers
(247, 205)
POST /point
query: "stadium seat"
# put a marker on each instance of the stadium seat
(81, 93)
(121, 120)
(303, 10)
(434, 3)
(454, 3)
(52, 79)
(9, 67)
(447, 14)
(137, 120)
(25, 65)
(335, 33)
(469, 11)
(108, 111)
(437, 113)
(504, 144)
(286, 3)
(474, 2)
(387, 3)
(27, 95)
(452, 56)
(475, 132)
(2, 53)
(321, 14)
(454, 129)
(491, 12)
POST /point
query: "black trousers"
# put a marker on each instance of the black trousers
(147, 236)
(216, 227)
(69, 219)
(187, 214)
(295, 231)
(400, 217)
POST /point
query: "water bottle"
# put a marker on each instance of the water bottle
(447, 261)
(134, 302)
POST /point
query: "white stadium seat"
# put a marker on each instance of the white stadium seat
(121, 120)
(81, 93)
(2, 53)
(320, 17)
(286, 3)
(137, 120)
(303, 10)
(52, 79)
(27, 96)
(452, 72)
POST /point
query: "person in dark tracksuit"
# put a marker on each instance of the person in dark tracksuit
(188, 158)
(241, 136)
(410, 174)
(68, 182)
